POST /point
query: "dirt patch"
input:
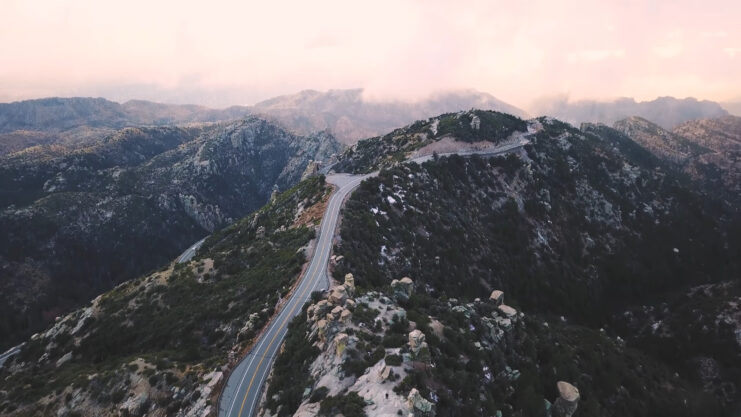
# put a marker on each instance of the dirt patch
(313, 215)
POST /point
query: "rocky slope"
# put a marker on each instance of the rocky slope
(159, 345)
(667, 112)
(577, 220)
(579, 223)
(58, 114)
(77, 223)
(350, 117)
(709, 150)
(403, 351)
(76, 122)
(659, 141)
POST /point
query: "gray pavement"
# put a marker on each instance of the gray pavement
(243, 389)
(190, 252)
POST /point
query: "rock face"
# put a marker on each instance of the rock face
(345, 316)
(416, 341)
(311, 169)
(708, 150)
(420, 407)
(135, 406)
(497, 297)
(340, 342)
(338, 295)
(350, 284)
(507, 310)
(402, 289)
(567, 401)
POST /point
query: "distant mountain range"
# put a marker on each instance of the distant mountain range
(350, 117)
(77, 122)
(708, 150)
(667, 112)
(346, 114)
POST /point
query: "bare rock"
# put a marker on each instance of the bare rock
(402, 289)
(567, 401)
(497, 297)
(345, 316)
(349, 284)
(340, 343)
(64, 359)
(416, 341)
(338, 295)
(135, 406)
(307, 410)
(418, 405)
(322, 327)
(507, 310)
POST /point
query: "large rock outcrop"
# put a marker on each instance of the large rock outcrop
(416, 341)
(419, 406)
(402, 289)
(567, 401)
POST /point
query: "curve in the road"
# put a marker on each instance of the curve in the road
(240, 395)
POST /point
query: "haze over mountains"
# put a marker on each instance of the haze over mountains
(347, 114)
(667, 112)
(350, 117)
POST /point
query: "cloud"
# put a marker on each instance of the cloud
(248, 50)
(669, 50)
(732, 52)
(593, 55)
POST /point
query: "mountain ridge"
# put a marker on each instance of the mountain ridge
(78, 222)
(667, 112)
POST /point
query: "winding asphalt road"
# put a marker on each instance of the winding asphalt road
(190, 252)
(243, 389)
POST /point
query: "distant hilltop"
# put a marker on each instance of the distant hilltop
(667, 112)
(344, 113)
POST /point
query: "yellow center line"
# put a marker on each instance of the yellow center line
(257, 368)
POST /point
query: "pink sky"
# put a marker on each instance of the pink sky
(237, 52)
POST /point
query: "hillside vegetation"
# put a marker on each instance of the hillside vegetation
(163, 341)
(471, 126)
(580, 224)
(77, 223)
